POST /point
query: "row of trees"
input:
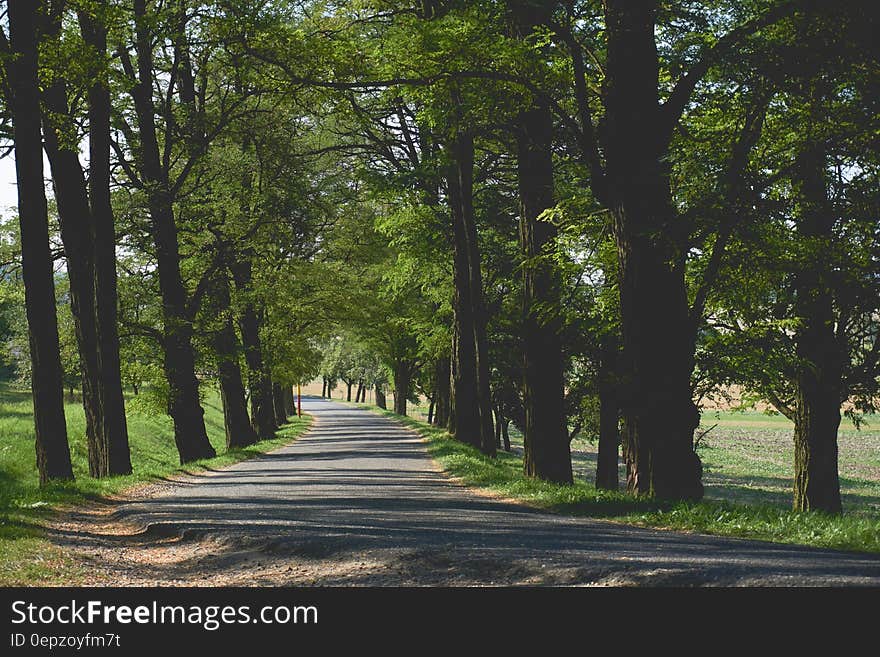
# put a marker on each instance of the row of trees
(573, 216)
(171, 235)
(696, 199)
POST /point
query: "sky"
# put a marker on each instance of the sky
(8, 187)
(8, 194)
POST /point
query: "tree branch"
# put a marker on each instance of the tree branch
(675, 105)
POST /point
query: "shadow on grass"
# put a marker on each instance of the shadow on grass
(734, 517)
(11, 393)
(503, 474)
(24, 504)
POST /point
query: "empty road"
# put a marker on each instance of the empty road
(358, 501)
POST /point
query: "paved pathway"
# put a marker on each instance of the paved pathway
(357, 501)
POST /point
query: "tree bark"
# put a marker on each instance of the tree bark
(278, 403)
(289, 402)
(348, 385)
(820, 365)
(464, 418)
(262, 404)
(451, 420)
(402, 382)
(113, 422)
(239, 432)
(76, 234)
(609, 416)
(52, 448)
(658, 333)
(546, 451)
(380, 397)
(441, 392)
(464, 162)
(471, 421)
(185, 408)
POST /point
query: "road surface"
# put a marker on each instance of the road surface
(358, 501)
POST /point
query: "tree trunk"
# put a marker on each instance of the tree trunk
(431, 411)
(451, 420)
(348, 385)
(465, 422)
(289, 401)
(185, 408)
(380, 397)
(113, 422)
(262, 404)
(324, 388)
(546, 451)
(76, 234)
(658, 332)
(278, 403)
(190, 435)
(505, 434)
(402, 376)
(464, 162)
(609, 416)
(441, 392)
(52, 448)
(498, 422)
(820, 369)
(239, 432)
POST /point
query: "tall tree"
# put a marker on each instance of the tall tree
(545, 437)
(53, 450)
(113, 422)
(470, 371)
(190, 435)
(629, 160)
(239, 432)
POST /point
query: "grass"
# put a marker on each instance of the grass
(26, 555)
(721, 513)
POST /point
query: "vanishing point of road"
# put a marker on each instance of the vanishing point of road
(357, 500)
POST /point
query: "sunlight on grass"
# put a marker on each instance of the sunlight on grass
(26, 557)
(503, 476)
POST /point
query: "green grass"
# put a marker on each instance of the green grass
(26, 555)
(856, 531)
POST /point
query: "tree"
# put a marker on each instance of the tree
(53, 451)
(629, 161)
(802, 333)
(545, 436)
(106, 431)
(115, 430)
(153, 177)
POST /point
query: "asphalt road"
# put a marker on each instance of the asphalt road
(357, 501)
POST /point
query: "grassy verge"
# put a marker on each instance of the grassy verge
(27, 557)
(503, 476)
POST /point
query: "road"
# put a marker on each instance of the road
(358, 501)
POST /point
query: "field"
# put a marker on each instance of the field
(748, 459)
